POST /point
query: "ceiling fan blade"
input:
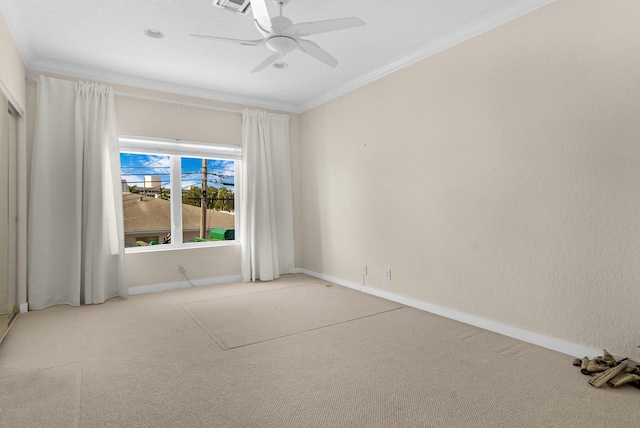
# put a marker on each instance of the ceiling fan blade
(317, 27)
(224, 39)
(317, 52)
(261, 16)
(267, 62)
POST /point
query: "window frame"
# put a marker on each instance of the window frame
(176, 150)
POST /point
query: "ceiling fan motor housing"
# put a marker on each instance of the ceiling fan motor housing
(280, 23)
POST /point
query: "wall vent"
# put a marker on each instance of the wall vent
(239, 6)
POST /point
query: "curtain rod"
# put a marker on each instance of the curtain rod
(162, 100)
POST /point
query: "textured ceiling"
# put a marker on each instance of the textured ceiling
(105, 40)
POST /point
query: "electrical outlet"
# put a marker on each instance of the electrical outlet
(181, 268)
(387, 274)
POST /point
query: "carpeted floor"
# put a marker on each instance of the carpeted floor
(244, 320)
(297, 352)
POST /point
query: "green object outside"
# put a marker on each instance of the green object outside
(198, 239)
(223, 234)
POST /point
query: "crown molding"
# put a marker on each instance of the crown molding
(74, 70)
(463, 34)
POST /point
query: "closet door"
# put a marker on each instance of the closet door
(4, 215)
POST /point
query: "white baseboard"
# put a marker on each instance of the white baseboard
(168, 286)
(548, 342)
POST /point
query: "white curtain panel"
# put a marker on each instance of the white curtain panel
(266, 212)
(76, 240)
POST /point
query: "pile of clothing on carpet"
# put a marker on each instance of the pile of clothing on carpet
(607, 369)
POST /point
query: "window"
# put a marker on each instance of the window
(162, 192)
(208, 199)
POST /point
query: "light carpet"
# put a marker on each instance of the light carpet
(145, 362)
(244, 320)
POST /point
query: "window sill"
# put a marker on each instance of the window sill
(182, 247)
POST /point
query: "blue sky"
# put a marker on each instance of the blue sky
(135, 166)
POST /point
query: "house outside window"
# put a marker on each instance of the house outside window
(163, 199)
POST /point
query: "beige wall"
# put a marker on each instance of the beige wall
(500, 178)
(168, 120)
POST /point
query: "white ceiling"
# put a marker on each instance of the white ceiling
(104, 40)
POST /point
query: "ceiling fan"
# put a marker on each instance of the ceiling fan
(282, 36)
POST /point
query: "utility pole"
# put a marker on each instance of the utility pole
(203, 204)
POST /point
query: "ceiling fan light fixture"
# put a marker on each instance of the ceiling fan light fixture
(154, 34)
(281, 44)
